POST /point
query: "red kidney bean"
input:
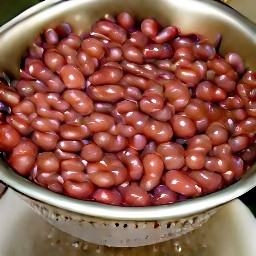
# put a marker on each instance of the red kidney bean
(23, 157)
(138, 39)
(56, 103)
(137, 142)
(232, 102)
(238, 143)
(217, 134)
(136, 119)
(131, 159)
(113, 55)
(73, 41)
(132, 54)
(105, 93)
(107, 196)
(68, 52)
(79, 101)
(127, 131)
(106, 75)
(8, 95)
(21, 123)
(72, 117)
(204, 51)
(47, 162)
(39, 71)
(51, 36)
(196, 109)
(172, 154)
(184, 53)
(151, 102)
(249, 154)
(98, 122)
(74, 175)
(102, 107)
(125, 20)
(132, 93)
(236, 62)
(91, 152)
(216, 164)
(250, 108)
(70, 145)
(158, 131)
(199, 142)
(62, 155)
(249, 78)
(72, 77)
(53, 60)
(37, 86)
(149, 27)
(209, 181)
(183, 126)
(207, 91)
(219, 65)
(195, 160)
(166, 34)
(73, 132)
(182, 41)
(136, 81)
(157, 51)
(52, 181)
(102, 179)
(163, 195)
(222, 151)
(74, 164)
(153, 170)
(237, 166)
(45, 140)
(164, 114)
(25, 107)
(215, 113)
(136, 196)
(109, 142)
(93, 47)
(24, 88)
(246, 126)
(181, 183)
(43, 124)
(110, 30)
(9, 137)
(86, 63)
(150, 148)
(228, 177)
(225, 83)
(79, 190)
(63, 30)
(177, 94)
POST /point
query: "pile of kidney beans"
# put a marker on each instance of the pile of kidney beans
(129, 114)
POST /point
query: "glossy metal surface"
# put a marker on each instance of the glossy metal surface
(192, 16)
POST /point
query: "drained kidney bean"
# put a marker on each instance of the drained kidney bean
(129, 113)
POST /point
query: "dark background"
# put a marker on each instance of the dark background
(11, 8)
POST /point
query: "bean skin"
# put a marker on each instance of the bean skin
(72, 77)
(136, 119)
(21, 123)
(110, 30)
(86, 63)
(98, 122)
(136, 196)
(172, 154)
(62, 155)
(181, 183)
(136, 81)
(127, 131)
(105, 93)
(25, 106)
(236, 62)
(47, 162)
(93, 47)
(9, 137)
(163, 195)
(237, 166)
(138, 39)
(195, 160)
(183, 126)
(74, 175)
(125, 20)
(208, 181)
(151, 102)
(78, 190)
(217, 134)
(106, 75)
(238, 143)
(45, 140)
(102, 179)
(249, 154)
(153, 170)
(109, 142)
(107, 196)
(187, 75)
(215, 164)
(204, 51)
(131, 159)
(53, 60)
(220, 66)
(166, 34)
(23, 157)
(79, 101)
(91, 153)
(137, 142)
(7, 96)
(43, 124)
(164, 114)
(70, 145)
(132, 54)
(177, 94)
(73, 164)
(157, 51)
(199, 142)
(73, 132)
(149, 27)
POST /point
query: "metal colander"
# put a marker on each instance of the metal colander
(113, 225)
